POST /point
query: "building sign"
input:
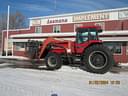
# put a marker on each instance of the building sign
(36, 22)
(57, 20)
(123, 14)
(91, 17)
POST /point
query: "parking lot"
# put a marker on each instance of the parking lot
(67, 81)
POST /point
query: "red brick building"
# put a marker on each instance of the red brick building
(114, 23)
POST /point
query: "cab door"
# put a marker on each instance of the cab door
(81, 42)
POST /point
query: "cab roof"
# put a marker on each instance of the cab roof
(90, 27)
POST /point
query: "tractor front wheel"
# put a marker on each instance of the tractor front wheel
(53, 61)
(98, 59)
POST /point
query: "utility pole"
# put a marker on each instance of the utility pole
(7, 30)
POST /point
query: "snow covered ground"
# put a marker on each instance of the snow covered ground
(67, 81)
(14, 57)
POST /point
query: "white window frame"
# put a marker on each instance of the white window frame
(121, 48)
(121, 51)
(19, 47)
(39, 28)
(56, 28)
(127, 48)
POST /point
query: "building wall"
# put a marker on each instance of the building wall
(47, 28)
(125, 24)
(113, 25)
(67, 28)
(19, 53)
(108, 26)
(121, 58)
(15, 32)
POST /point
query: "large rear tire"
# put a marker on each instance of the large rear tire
(53, 61)
(98, 59)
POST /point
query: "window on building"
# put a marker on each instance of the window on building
(102, 24)
(77, 25)
(19, 46)
(38, 29)
(127, 49)
(115, 47)
(57, 29)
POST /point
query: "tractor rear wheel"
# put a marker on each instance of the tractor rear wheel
(53, 61)
(98, 59)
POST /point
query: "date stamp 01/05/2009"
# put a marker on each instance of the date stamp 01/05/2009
(104, 82)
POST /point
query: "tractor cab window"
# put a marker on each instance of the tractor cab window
(84, 35)
(92, 35)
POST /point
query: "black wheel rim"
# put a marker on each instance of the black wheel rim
(98, 60)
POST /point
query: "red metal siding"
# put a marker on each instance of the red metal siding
(67, 28)
(89, 24)
(113, 25)
(25, 31)
(47, 28)
(19, 53)
(123, 58)
(125, 25)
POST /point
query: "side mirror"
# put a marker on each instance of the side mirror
(100, 30)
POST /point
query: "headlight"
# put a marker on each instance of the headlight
(68, 50)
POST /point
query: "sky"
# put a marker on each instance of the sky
(34, 8)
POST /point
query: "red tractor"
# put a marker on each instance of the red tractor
(87, 49)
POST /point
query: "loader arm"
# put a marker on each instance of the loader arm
(45, 45)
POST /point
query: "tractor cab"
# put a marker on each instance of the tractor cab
(87, 33)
